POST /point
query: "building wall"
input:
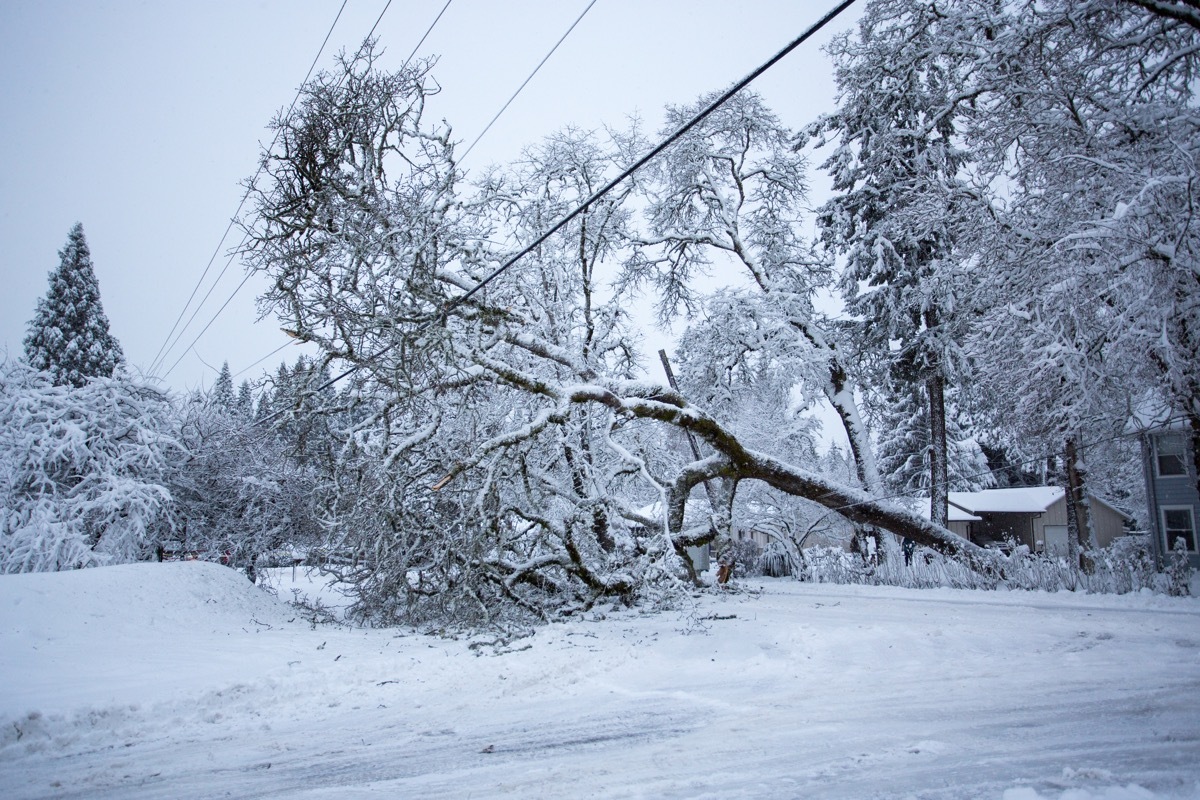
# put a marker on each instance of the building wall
(1170, 491)
(1106, 522)
(961, 527)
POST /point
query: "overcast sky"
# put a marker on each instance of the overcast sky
(140, 118)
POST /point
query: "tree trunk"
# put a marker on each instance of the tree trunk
(1079, 527)
(840, 393)
(720, 498)
(841, 397)
(939, 479)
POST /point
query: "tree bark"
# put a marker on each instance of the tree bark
(939, 479)
(732, 460)
(1079, 527)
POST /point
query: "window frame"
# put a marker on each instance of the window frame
(1181, 455)
(1191, 513)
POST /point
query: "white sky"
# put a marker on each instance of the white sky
(139, 119)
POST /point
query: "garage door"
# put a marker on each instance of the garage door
(1056, 539)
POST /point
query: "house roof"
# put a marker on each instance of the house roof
(1152, 413)
(1021, 500)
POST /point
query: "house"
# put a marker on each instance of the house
(1169, 467)
(1035, 516)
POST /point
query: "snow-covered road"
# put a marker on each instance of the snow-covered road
(182, 680)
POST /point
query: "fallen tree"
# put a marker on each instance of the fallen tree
(503, 452)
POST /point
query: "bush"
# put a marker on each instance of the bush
(82, 470)
(1125, 566)
(775, 561)
(746, 556)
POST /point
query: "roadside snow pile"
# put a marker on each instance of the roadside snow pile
(1110, 793)
(123, 634)
(132, 597)
(184, 681)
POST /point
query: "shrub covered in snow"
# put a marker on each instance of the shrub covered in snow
(1125, 566)
(81, 470)
(237, 491)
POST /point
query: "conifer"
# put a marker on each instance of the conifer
(69, 336)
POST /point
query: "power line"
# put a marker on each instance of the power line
(245, 196)
(407, 61)
(159, 360)
(608, 187)
(650, 156)
(386, 6)
(259, 361)
(545, 58)
(482, 133)
(204, 330)
(428, 31)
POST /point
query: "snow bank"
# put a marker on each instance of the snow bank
(131, 597)
(125, 634)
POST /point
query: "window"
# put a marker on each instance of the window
(1178, 523)
(1170, 456)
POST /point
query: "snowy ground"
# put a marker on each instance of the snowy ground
(184, 681)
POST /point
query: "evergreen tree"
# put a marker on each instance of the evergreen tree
(903, 445)
(900, 202)
(69, 337)
(245, 400)
(906, 442)
(222, 391)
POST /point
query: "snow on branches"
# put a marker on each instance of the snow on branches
(508, 459)
(82, 470)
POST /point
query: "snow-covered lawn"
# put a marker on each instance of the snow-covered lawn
(184, 681)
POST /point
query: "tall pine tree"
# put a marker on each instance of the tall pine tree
(68, 336)
(222, 392)
(906, 441)
(900, 201)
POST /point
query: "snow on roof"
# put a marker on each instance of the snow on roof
(1154, 413)
(1022, 500)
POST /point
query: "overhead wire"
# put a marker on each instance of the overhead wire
(161, 358)
(251, 366)
(428, 31)
(498, 114)
(246, 196)
(525, 83)
(160, 354)
(208, 325)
